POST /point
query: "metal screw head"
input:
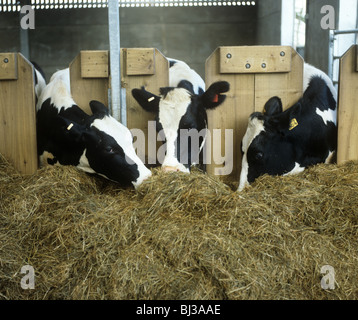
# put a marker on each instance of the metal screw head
(248, 65)
(229, 56)
(6, 60)
(263, 65)
(282, 53)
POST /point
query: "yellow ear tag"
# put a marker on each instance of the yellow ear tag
(293, 124)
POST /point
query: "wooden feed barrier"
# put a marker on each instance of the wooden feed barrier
(18, 112)
(147, 67)
(348, 106)
(255, 74)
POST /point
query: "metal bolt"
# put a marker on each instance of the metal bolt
(6, 60)
(282, 53)
(229, 56)
(248, 65)
(263, 65)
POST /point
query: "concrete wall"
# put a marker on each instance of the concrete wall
(190, 34)
(317, 39)
(269, 22)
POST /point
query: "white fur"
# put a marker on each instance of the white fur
(124, 138)
(255, 127)
(172, 107)
(59, 90)
(296, 169)
(327, 115)
(41, 84)
(181, 71)
(309, 71)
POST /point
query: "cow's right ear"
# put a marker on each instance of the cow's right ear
(148, 101)
(214, 96)
(273, 106)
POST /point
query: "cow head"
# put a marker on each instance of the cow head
(280, 142)
(179, 111)
(97, 144)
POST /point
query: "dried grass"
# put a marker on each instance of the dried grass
(179, 236)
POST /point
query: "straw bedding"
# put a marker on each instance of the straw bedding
(179, 236)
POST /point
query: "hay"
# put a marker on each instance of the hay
(179, 236)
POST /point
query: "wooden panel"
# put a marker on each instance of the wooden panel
(140, 61)
(249, 93)
(255, 59)
(18, 118)
(347, 107)
(84, 90)
(137, 118)
(94, 64)
(287, 85)
(231, 115)
(8, 66)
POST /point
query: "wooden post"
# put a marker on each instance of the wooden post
(255, 74)
(146, 67)
(348, 106)
(18, 112)
(89, 77)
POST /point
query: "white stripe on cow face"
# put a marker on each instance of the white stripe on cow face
(254, 128)
(84, 164)
(123, 137)
(327, 115)
(172, 108)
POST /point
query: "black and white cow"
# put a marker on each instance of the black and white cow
(286, 142)
(40, 80)
(181, 109)
(94, 143)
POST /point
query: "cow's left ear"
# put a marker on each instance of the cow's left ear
(147, 100)
(214, 96)
(273, 106)
(98, 109)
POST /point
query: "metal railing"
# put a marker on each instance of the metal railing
(331, 56)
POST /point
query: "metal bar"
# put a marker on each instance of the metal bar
(114, 56)
(345, 31)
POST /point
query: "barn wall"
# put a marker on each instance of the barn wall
(317, 39)
(190, 34)
(269, 22)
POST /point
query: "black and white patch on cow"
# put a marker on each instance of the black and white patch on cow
(39, 80)
(180, 111)
(179, 71)
(286, 142)
(94, 143)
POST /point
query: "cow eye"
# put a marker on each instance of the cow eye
(108, 149)
(259, 156)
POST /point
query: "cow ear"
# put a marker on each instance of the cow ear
(214, 96)
(68, 129)
(273, 106)
(148, 101)
(98, 109)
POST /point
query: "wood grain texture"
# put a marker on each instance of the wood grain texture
(348, 107)
(85, 89)
(135, 77)
(18, 118)
(248, 93)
